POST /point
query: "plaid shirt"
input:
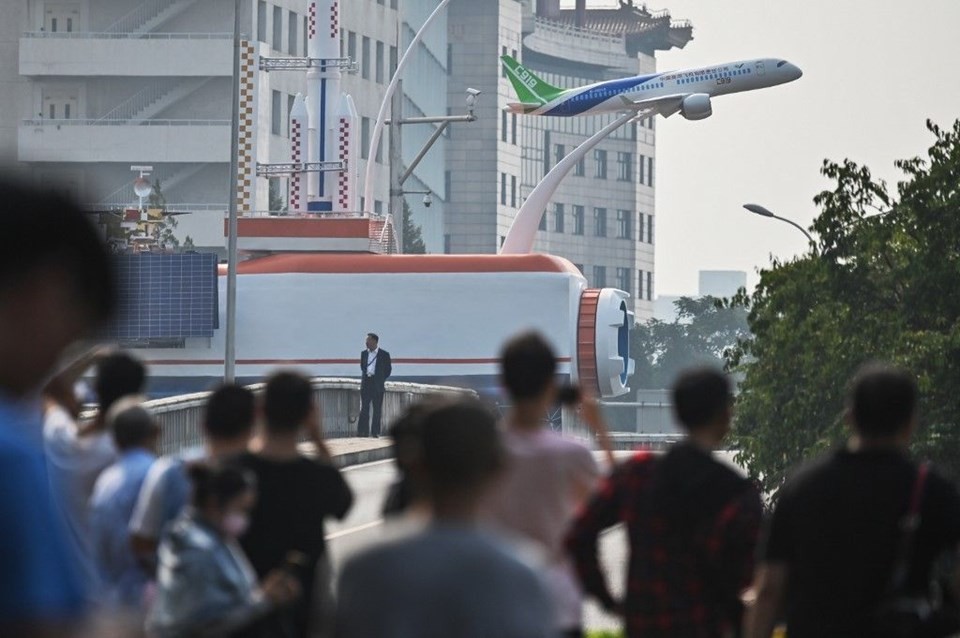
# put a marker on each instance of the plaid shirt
(692, 525)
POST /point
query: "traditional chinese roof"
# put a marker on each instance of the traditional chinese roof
(643, 30)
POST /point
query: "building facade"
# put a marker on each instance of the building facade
(90, 88)
(602, 217)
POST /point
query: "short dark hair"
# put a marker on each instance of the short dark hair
(527, 366)
(131, 424)
(461, 446)
(218, 484)
(288, 399)
(118, 374)
(700, 396)
(882, 400)
(42, 229)
(229, 412)
(374, 336)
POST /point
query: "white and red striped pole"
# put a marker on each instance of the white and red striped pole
(298, 124)
(349, 148)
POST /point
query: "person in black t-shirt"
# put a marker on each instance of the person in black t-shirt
(296, 494)
(830, 545)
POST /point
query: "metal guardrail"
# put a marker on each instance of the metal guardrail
(122, 122)
(181, 417)
(93, 35)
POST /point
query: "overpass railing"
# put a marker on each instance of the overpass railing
(181, 416)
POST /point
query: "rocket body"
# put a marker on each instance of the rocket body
(298, 153)
(323, 100)
(348, 137)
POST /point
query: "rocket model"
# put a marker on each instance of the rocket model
(298, 125)
(348, 135)
(328, 138)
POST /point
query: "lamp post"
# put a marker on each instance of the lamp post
(757, 209)
(230, 345)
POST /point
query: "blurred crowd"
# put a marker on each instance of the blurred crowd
(495, 522)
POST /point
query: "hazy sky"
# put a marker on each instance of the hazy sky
(874, 71)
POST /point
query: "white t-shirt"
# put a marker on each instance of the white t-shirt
(536, 500)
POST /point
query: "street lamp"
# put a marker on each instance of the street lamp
(757, 209)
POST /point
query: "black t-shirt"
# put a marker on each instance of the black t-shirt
(835, 527)
(293, 499)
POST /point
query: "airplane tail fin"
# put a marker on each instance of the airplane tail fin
(530, 89)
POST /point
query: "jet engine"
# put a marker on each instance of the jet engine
(696, 106)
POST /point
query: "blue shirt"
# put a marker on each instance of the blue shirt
(164, 494)
(38, 574)
(111, 506)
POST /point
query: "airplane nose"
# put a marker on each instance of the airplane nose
(794, 71)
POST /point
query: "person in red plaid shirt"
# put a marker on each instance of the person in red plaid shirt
(692, 524)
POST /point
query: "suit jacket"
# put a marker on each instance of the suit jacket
(383, 369)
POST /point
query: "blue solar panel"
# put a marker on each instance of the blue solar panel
(166, 296)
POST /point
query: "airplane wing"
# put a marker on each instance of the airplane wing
(665, 105)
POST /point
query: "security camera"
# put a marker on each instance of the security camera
(428, 200)
(472, 99)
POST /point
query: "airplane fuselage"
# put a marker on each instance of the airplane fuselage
(613, 95)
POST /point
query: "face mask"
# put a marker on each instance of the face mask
(235, 524)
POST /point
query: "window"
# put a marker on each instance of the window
(600, 222)
(623, 224)
(624, 167)
(292, 33)
(393, 61)
(559, 152)
(543, 222)
(446, 244)
(599, 276)
(449, 59)
(503, 189)
(579, 267)
(276, 119)
(503, 67)
(513, 128)
(642, 176)
(447, 185)
(290, 99)
(640, 225)
(274, 196)
(579, 169)
(513, 191)
(277, 29)
(600, 157)
(379, 69)
(558, 214)
(649, 229)
(649, 286)
(503, 126)
(365, 58)
(378, 207)
(364, 138)
(352, 45)
(650, 172)
(639, 284)
(304, 39)
(578, 215)
(623, 279)
(262, 21)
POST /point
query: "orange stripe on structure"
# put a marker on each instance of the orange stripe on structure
(328, 263)
(587, 341)
(425, 361)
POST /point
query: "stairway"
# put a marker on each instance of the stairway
(148, 16)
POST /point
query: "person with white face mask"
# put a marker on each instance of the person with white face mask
(205, 585)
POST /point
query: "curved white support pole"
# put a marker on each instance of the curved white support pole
(523, 231)
(382, 115)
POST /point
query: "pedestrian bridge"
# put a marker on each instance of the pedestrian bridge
(181, 417)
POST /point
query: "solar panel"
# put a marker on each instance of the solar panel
(165, 296)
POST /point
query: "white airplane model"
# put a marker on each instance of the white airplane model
(687, 92)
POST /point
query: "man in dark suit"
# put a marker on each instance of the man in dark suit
(375, 369)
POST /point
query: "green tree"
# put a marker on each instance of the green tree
(163, 232)
(705, 329)
(882, 287)
(412, 234)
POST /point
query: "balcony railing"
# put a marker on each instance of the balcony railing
(89, 35)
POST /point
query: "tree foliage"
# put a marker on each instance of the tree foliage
(883, 287)
(412, 234)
